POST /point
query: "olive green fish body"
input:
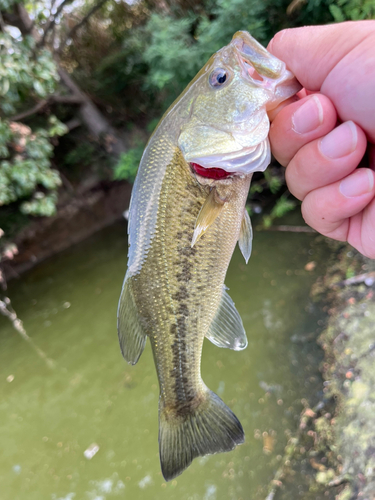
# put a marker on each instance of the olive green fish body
(177, 293)
(181, 285)
(187, 213)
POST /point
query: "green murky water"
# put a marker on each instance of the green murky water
(49, 417)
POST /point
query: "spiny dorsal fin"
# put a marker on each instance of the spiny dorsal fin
(245, 241)
(130, 332)
(226, 329)
(207, 216)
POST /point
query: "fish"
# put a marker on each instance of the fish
(187, 213)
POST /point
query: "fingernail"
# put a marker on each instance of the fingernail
(357, 184)
(308, 117)
(340, 142)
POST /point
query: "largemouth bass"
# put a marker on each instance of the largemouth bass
(187, 213)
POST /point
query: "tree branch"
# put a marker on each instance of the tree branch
(2, 24)
(35, 109)
(51, 23)
(29, 28)
(72, 124)
(20, 19)
(65, 99)
(288, 229)
(68, 82)
(80, 24)
(7, 310)
(96, 123)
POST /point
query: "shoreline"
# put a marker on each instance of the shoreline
(333, 451)
(81, 216)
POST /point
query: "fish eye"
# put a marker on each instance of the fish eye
(218, 77)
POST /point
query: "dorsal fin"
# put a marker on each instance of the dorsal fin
(207, 216)
(245, 241)
(226, 329)
(130, 332)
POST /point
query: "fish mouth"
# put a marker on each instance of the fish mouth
(263, 69)
(243, 162)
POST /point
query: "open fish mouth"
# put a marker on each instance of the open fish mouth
(263, 69)
(243, 162)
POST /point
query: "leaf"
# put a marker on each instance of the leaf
(337, 13)
(39, 88)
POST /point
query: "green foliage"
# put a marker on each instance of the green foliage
(126, 168)
(82, 154)
(6, 4)
(160, 52)
(55, 127)
(228, 16)
(41, 204)
(274, 182)
(352, 10)
(350, 272)
(135, 58)
(284, 14)
(282, 206)
(337, 13)
(255, 187)
(171, 64)
(25, 170)
(25, 74)
(177, 48)
(152, 124)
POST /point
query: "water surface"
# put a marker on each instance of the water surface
(49, 417)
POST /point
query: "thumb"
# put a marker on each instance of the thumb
(312, 52)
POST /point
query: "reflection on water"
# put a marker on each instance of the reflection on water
(92, 400)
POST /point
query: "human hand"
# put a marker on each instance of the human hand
(336, 66)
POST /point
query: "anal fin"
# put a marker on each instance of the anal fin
(245, 241)
(130, 332)
(207, 216)
(226, 329)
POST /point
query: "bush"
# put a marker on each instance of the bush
(126, 168)
(26, 76)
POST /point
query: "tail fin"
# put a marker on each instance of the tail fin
(209, 428)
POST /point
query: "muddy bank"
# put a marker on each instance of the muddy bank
(349, 371)
(333, 453)
(81, 215)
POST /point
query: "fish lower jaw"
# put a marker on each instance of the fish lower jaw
(238, 163)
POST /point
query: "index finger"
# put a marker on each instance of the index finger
(317, 47)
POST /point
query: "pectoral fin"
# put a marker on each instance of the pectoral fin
(226, 329)
(130, 331)
(206, 217)
(245, 241)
